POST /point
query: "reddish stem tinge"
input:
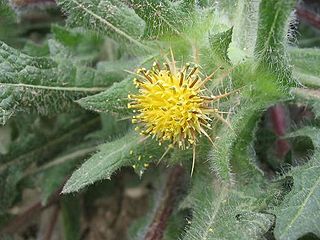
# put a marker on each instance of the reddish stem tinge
(308, 15)
(171, 194)
(279, 124)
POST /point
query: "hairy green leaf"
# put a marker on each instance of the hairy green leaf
(310, 96)
(40, 84)
(222, 212)
(115, 99)
(220, 43)
(243, 123)
(125, 151)
(163, 16)
(306, 65)
(245, 25)
(106, 16)
(299, 213)
(271, 43)
(306, 60)
(233, 141)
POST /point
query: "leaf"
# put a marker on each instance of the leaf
(52, 179)
(188, 5)
(306, 60)
(245, 25)
(38, 142)
(309, 96)
(162, 17)
(113, 155)
(306, 65)
(83, 44)
(270, 48)
(39, 84)
(117, 70)
(33, 147)
(307, 79)
(311, 132)
(299, 213)
(220, 43)
(5, 139)
(9, 29)
(115, 99)
(231, 151)
(222, 212)
(222, 152)
(106, 16)
(9, 179)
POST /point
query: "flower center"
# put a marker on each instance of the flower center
(170, 106)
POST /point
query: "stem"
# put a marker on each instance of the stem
(279, 123)
(174, 188)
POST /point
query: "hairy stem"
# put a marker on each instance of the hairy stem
(172, 192)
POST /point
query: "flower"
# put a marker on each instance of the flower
(170, 105)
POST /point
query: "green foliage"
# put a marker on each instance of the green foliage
(9, 178)
(310, 96)
(224, 212)
(71, 213)
(37, 145)
(272, 35)
(220, 43)
(125, 151)
(8, 26)
(101, 165)
(245, 23)
(105, 101)
(299, 212)
(64, 95)
(306, 65)
(112, 17)
(163, 17)
(259, 91)
(35, 83)
(53, 178)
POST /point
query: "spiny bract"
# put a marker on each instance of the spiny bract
(170, 104)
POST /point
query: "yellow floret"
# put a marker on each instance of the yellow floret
(170, 105)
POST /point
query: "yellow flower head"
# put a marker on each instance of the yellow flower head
(170, 104)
